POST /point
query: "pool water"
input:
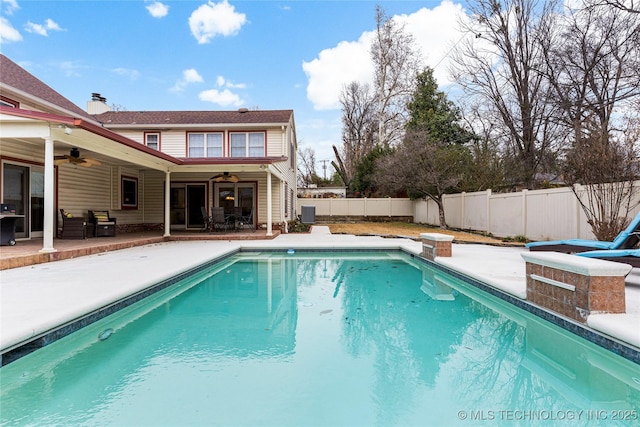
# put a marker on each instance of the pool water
(318, 339)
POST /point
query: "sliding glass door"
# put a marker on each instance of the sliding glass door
(23, 187)
(241, 195)
(185, 205)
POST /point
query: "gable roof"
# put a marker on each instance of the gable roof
(16, 77)
(164, 118)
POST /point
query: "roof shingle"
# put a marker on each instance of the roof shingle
(163, 118)
(11, 74)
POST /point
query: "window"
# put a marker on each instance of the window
(205, 145)
(129, 193)
(247, 144)
(152, 140)
(6, 102)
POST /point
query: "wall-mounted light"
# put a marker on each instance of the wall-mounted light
(67, 130)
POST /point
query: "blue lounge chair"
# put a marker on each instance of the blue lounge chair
(627, 239)
(625, 256)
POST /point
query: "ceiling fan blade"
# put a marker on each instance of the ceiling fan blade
(90, 161)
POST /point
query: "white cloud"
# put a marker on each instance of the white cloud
(126, 72)
(10, 6)
(223, 98)
(71, 68)
(212, 19)
(157, 9)
(190, 75)
(7, 32)
(336, 67)
(42, 29)
(434, 30)
(221, 81)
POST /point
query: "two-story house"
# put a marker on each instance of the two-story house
(150, 169)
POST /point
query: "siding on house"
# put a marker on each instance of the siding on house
(110, 136)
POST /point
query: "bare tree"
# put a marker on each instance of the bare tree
(358, 128)
(607, 170)
(424, 168)
(306, 166)
(630, 6)
(500, 67)
(593, 65)
(396, 63)
(592, 62)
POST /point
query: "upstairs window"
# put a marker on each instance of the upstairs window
(205, 144)
(152, 140)
(247, 144)
(6, 102)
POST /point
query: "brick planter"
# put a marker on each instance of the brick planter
(573, 286)
(435, 245)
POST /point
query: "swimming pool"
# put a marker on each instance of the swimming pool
(314, 338)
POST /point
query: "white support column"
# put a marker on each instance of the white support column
(167, 203)
(269, 205)
(49, 198)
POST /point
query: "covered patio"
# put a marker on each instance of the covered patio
(29, 252)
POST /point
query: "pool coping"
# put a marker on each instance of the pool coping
(21, 348)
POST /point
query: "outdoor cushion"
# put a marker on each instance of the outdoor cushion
(101, 216)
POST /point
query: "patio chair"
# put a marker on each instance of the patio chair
(246, 220)
(627, 239)
(72, 227)
(219, 221)
(625, 256)
(206, 219)
(104, 224)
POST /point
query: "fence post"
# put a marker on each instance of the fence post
(389, 200)
(462, 209)
(365, 207)
(489, 211)
(331, 206)
(524, 212)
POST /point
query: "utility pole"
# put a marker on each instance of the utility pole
(324, 168)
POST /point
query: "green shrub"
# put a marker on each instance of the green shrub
(295, 226)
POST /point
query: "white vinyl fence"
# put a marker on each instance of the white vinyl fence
(537, 214)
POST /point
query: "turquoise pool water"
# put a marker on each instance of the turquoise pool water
(317, 339)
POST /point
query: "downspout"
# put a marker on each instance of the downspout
(49, 194)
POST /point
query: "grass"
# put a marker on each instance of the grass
(414, 230)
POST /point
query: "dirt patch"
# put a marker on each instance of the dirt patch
(393, 229)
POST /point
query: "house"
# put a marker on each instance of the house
(150, 169)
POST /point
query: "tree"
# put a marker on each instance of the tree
(607, 169)
(358, 129)
(424, 168)
(502, 68)
(432, 159)
(396, 63)
(306, 167)
(430, 109)
(630, 6)
(364, 183)
(593, 66)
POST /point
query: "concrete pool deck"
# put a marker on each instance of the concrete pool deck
(39, 298)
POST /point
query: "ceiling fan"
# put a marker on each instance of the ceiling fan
(74, 158)
(225, 177)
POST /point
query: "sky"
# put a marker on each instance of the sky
(219, 54)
